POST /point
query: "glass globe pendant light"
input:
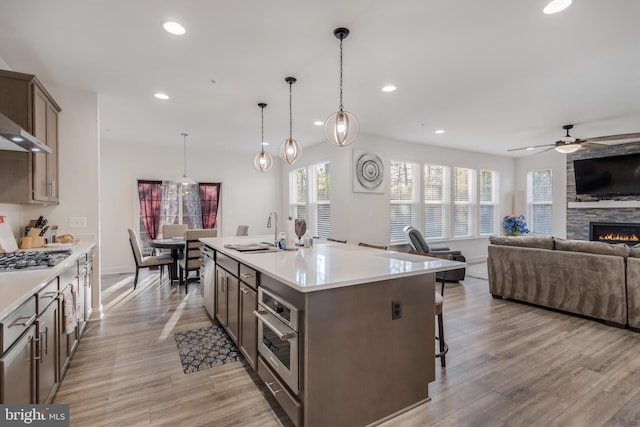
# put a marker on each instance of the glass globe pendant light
(290, 149)
(262, 160)
(185, 180)
(341, 128)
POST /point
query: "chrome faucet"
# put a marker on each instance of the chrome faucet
(275, 233)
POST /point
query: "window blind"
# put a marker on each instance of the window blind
(462, 202)
(540, 201)
(435, 214)
(402, 186)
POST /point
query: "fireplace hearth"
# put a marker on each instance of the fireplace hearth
(615, 232)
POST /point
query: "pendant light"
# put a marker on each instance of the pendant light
(185, 180)
(341, 128)
(262, 160)
(290, 149)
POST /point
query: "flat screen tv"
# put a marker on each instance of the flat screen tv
(608, 176)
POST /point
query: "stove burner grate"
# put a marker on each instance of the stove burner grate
(31, 260)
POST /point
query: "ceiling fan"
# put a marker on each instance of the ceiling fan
(570, 144)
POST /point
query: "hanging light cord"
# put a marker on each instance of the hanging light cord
(290, 114)
(184, 137)
(262, 140)
(340, 74)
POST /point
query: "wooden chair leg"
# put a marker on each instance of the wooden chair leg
(444, 348)
(135, 279)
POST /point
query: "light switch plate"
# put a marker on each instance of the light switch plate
(77, 221)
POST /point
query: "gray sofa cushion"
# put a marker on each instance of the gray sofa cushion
(538, 242)
(599, 248)
(634, 252)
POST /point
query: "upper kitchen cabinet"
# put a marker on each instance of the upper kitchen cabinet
(29, 177)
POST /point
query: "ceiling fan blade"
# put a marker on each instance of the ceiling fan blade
(589, 144)
(531, 147)
(548, 149)
(614, 137)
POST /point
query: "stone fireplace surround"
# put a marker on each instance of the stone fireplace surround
(580, 216)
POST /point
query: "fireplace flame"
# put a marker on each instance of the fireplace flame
(611, 237)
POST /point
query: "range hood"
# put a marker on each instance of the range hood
(13, 137)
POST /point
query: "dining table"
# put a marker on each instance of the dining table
(176, 245)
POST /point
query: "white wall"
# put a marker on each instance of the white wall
(247, 196)
(557, 162)
(364, 217)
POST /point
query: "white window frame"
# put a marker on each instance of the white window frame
(443, 204)
(413, 203)
(312, 204)
(471, 203)
(493, 202)
(534, 227)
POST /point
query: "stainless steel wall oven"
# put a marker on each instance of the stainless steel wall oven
(278, 338)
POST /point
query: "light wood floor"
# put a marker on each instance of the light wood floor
(509, 364)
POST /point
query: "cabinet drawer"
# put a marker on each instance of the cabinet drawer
(47, 295)
(68, 275)
(249, 276)
(17, 322)
(228, 263)
(291, 406)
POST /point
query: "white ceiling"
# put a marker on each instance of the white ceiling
(496, 74)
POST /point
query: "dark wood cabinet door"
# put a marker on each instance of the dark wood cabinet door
(233, 301)
(248, 325)
(18, 370)
(221, 296)
(47, 366)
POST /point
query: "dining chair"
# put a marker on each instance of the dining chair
(368, 245)
(331, 239)
(192, 257)
(438, 308)
(146, 261)
(173, 230)
(242, 230)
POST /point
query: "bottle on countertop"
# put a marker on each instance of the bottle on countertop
(282, 240)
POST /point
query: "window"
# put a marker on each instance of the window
(311, 200)
(488, 196)
(298, 194)
(167, 202)
(321, 200)
(435, 201)
(403, 189)
(463, 202)
(539, 201)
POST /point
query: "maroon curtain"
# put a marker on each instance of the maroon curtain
(209, 199)
(150, 196)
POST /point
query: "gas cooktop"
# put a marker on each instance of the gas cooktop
(31, 260)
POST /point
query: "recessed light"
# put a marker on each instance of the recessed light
(17, 139)
(174, 28)
(35, 150)
(439, 131)
(318, 123)
(161, 95)
(389, 88)
(556, 6)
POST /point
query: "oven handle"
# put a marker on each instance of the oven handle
(261, 315)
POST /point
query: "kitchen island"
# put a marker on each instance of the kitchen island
(362, 347)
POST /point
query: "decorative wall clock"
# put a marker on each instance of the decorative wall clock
(368, 172)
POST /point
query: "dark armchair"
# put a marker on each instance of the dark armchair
(419, 244)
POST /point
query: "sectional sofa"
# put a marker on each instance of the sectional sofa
(594, 279)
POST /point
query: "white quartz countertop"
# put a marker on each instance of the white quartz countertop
(17, 286)
(329, 264)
